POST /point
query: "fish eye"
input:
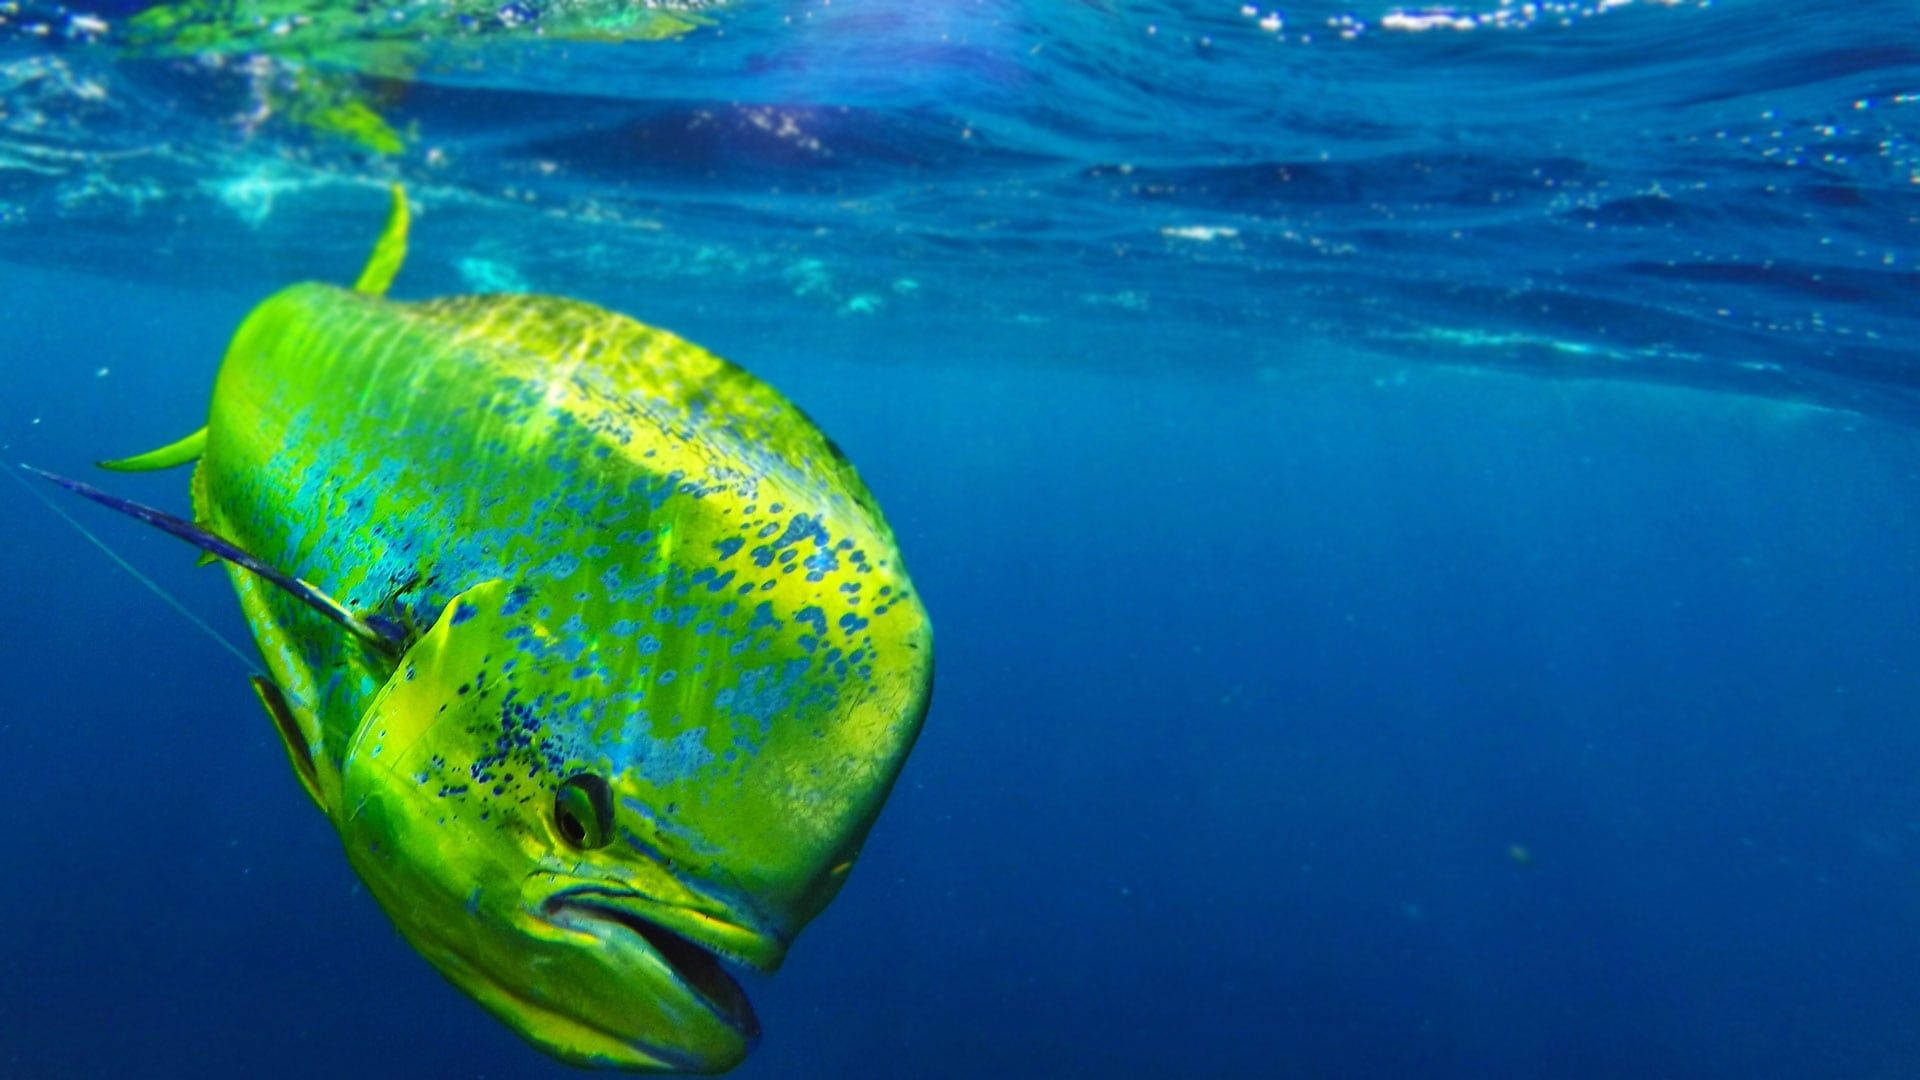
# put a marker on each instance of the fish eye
(583, 811)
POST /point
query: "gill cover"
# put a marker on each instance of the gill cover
(451, 792)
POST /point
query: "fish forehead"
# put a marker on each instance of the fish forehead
(716, 611)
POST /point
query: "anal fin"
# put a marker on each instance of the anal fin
(297, 752)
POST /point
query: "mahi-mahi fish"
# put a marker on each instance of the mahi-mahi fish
(596, 652)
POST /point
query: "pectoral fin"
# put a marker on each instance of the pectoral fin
(456, 656)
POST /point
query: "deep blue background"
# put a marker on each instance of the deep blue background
(1330, 465)
(1246, 689)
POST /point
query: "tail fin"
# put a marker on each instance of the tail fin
(388, 253)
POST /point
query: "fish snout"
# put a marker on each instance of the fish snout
(682, 1005)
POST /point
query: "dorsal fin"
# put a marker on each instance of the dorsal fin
(378, 632)
(389, 251)
(178, 452)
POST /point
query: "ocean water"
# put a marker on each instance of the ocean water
(1418, 507)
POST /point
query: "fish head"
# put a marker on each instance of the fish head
(565, 870)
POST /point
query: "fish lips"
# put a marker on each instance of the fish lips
(699, 968)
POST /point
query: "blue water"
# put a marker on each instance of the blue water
(1420, 523)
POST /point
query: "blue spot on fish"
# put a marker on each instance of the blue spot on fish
(812, 616)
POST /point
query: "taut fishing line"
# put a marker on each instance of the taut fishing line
(154, 587)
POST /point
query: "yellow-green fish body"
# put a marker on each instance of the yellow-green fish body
(638, 660)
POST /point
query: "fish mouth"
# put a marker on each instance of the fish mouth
(699, 969)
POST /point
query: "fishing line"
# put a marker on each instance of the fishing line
(249, 663)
